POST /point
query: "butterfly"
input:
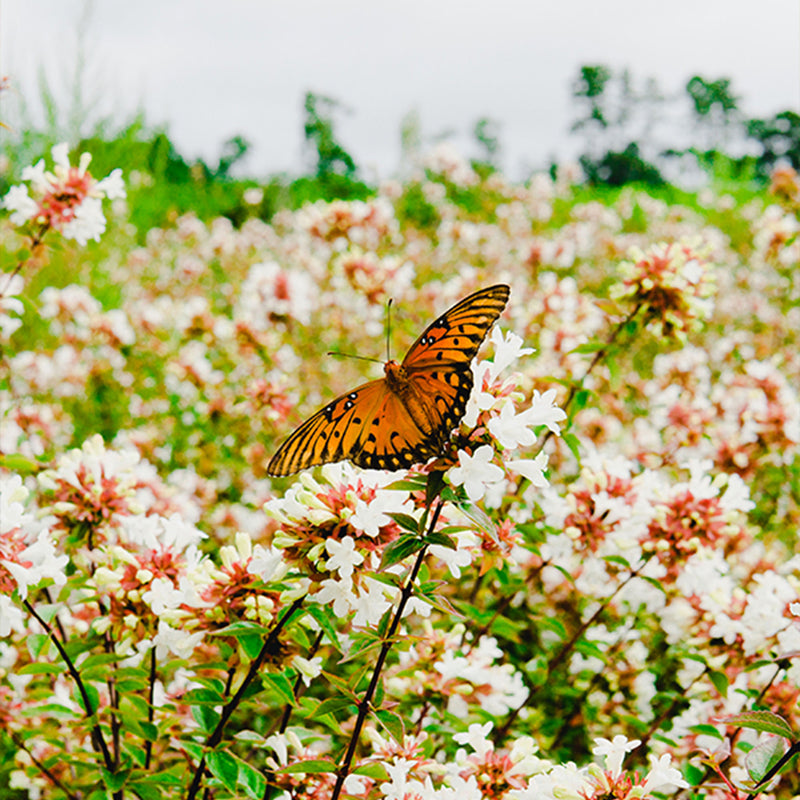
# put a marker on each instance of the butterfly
(407, 416)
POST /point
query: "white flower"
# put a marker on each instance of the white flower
(343, 556)
(477, 737)
(475, 472)
(737, 495)
(12, 511)
(308, 668)
(507, 349)
(11, 618)
(68, 199)
(267, 564)
(544, 411)
(614, 750)
(112, 186)
(338, 593)
(157, 532)
(88, 223)
(371, 603)
(662, 774)
(479, 400)
(172, 640)
(20, 204)
(9, 304)
(531, 468)
(370, 517)
(511, 429)
(43, 564)
(162, 595)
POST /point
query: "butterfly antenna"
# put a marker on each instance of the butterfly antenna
(353, 355)
(388, 329)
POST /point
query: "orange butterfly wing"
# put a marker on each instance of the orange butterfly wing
(407, 417)
(369, 426)
(439, 363)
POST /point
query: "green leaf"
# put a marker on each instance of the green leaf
(14, 462)
(203, 697)
(241, 628)
(707, 730)
(406, 522)
(249, 736)
(573, 443)
(720, 681)
(400, 549)
(223, 766)
(312, 766)
(92, 694)
(47, 612)
(480, 518)
(334, 704)
(148, 731)
(620, 561)
(254, 782)
(51, 710)
(41, 669)
(372, 770)
(587, 347)
(35, 643)
(205, 717)
(322, 617)
(251, 644)
(537, 671)
(281, 684)
(580, 401)
(408, 485)
(763, 721)
(392, 722)
(440, 539)
(147, 789)
(762, 758)
(99, 659)
(114, 781)
(434, 487)
(553, 624)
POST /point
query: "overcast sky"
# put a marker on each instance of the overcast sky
(209, 69)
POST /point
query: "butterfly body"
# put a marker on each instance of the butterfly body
(407, 416)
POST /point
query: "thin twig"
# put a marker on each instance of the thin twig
(18, 741)
(388, 641)
(500, 734)
(97, 735)
(216, 736)
(148, 746)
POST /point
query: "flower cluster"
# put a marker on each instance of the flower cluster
(496, 425)
(68, 199)
(674, 282)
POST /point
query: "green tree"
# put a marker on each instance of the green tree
(589, 92)
(233, 151)
(779, 139)
(331, 157)
(487, 134)
(617, 121)
(715, 108)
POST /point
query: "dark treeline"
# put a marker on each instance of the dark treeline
(630, 130)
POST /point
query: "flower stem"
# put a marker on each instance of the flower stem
(388, 641)
(148, 747)
(98, 741)
(216, 736)
(501, 733)
(36, 240)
